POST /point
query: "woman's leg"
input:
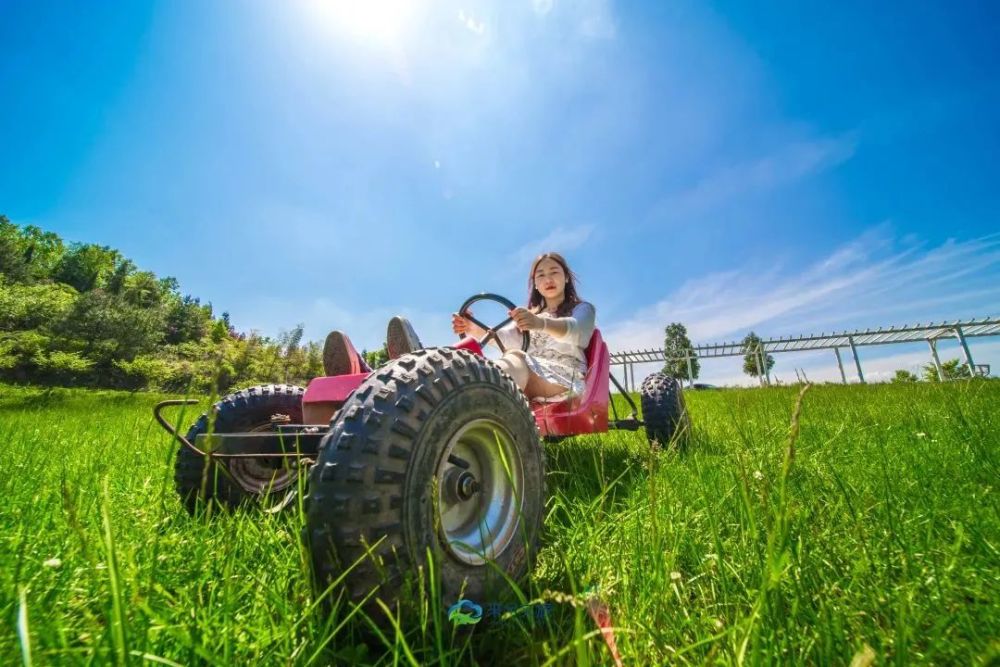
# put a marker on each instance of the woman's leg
(514, 364)
(340, 357)
(532, 384)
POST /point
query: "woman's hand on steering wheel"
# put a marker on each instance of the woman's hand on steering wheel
(464, 323)
(463, 326)
(526, 320)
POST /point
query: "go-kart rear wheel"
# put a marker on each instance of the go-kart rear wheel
(236, 481)
(437, 451)
(663, 411)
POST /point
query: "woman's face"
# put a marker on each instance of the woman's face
(550, 279)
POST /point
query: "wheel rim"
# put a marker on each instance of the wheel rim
(479, 501)
(262, 476)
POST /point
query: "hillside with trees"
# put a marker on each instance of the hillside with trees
(80, 314)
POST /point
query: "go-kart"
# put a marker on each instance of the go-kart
(437, 453)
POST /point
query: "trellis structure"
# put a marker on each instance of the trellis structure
(849, 340)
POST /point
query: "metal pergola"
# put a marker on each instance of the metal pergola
(960, 330)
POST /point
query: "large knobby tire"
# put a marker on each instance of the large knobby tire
(233, 482)
(385, 480)
(663, 411)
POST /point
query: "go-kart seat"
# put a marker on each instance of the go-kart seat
(587, 413)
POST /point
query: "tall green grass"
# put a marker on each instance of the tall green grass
(869, 529)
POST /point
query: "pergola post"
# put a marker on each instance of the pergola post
(763, 362)
(631, 371)
(690, 370)
(760, 374)
(937, 362)
(840, 365)
(965, 350)
(857, 361)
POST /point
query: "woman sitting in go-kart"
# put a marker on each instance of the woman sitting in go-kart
(558, 322)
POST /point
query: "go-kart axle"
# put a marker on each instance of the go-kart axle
(287, 441)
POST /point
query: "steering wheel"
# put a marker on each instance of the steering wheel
(491, 332)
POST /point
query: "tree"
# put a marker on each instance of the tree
(676, 348)
(108, 328)
(755, 362)
(33, 306)
(29, 254)
(144, 290)
(953, 369)
(903, 376)
(84, 314)
(13, 252)
(119, 277)
(86, 266)
(376, 358)
(43, 252)
(293, 356)
(187, 320)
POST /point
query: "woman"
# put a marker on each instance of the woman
(560, 325)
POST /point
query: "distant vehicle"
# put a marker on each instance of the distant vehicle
(703, 385)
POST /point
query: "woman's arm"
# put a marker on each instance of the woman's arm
(508, 335)
(576, 329)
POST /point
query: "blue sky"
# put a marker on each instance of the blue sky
(733, 166)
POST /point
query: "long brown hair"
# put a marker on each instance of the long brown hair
(570, 297)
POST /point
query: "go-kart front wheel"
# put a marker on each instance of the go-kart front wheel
(437, 453)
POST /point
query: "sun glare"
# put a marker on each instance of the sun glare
(381, 23)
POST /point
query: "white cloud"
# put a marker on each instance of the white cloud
(470, 22)
(542, 7)
(561, 240)
(787, 164)
(869, 282)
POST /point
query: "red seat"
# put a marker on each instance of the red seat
(581, 414)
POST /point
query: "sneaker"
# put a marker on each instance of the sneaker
(339, 356)
(400, 338)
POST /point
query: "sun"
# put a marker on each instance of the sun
(380, 23)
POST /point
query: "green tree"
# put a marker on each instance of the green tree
(187, 320)
(65, 367)
(84, 314)
(903, 376)
(42, 252)
(676, 348)
(86, 266)
(21, 353)
(376, 358)
(952, 369)
(144, 289)
(33, 306)
(13, 260)
(107, 328)
(118, 279)
(756, 363)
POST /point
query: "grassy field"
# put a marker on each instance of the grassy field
(874, 537)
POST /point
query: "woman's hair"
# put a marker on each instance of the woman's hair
(571, 298)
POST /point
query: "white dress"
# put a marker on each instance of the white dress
(559, 360)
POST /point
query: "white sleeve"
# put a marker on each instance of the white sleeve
(580, 325)
(509, 336)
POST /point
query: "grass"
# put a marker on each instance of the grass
(873, 534)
